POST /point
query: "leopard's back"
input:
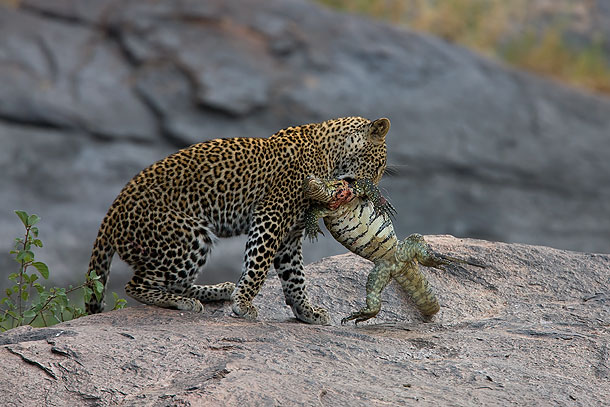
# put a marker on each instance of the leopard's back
(217, 182)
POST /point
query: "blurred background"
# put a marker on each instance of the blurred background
(499, 110)
(567, 40)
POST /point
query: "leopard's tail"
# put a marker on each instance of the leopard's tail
(101, 258)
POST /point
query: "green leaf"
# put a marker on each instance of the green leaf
(42, 268)
(9, 292)
(59, 309)
(98, 287)
(37, 242)
(37, 307)
(29, 314)
(119, 303)
(62, 300)
(13, 276)
(93, 275)
(23, 216)
(34, 231)
(14, 315)
(25, 295)
(87, 294)
(25, 256)
(33, 219)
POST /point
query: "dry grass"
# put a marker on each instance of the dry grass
(530, 34)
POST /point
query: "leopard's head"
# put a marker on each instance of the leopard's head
(364, 151)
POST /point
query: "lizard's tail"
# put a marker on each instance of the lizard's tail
(412, 251)
(101, 258)
(412, 280)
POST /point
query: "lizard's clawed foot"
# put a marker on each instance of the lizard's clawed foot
(365, 187)
(360, 316)
(450, 260)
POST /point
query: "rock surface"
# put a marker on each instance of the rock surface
(533, 328)
(93, 91)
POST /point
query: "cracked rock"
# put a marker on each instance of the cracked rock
(504, 346)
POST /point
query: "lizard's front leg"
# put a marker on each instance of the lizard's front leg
(367, 188)
(312, 215)
(377, 280)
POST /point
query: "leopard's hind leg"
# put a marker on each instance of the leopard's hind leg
(167, 265)
(187, 267)
(150, 292)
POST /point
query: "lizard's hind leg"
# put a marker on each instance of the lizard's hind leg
(378, 279)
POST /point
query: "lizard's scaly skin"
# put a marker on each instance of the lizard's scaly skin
(357, 216)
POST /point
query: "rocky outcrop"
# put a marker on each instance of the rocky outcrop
(93, 92)
(533, 328)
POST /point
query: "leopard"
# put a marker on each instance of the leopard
(167, 218)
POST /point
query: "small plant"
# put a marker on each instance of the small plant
(28, 302)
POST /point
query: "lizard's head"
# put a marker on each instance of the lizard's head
(332, 192)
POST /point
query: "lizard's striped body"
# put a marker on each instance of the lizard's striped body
(358, 217)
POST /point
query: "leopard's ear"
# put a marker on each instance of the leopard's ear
(379, 129)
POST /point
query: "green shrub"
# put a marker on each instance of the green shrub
(27, 302)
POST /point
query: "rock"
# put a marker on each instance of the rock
(93, 93)
(533, 327)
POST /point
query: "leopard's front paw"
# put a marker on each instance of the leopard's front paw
(245, 310)
(312, 315)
